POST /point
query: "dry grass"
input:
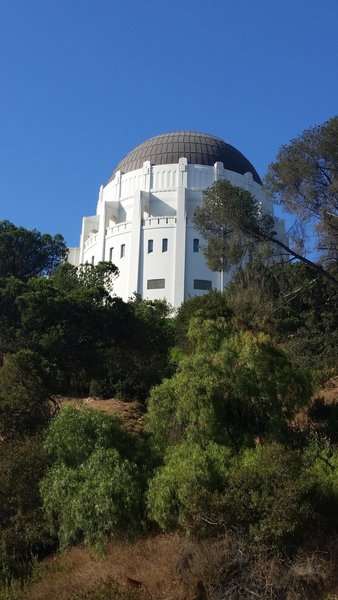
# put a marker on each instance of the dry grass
(231, 569)
(329, 391)
(146, 566)
(174, 567)
(130, 413)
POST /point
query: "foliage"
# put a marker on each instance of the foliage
(230, 220)
(264, 491)
(181, 491)
(86, 282)
(26, 405)
(94, 501)
(269, 494)
(219, 442)
(321, 461)
(304, 179)
(92, 491)
(25, 254)
(136, 355)
(299, 310)
(86, 335)
(10, 289)
(74, 435)
(233, 388)
(212, 305)
(236, 229)
(272, 493)
(24, 532)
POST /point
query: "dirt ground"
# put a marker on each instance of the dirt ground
(130, 413)
(148, 565)
(329, 392)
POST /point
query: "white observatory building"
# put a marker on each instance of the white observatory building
(143, 221)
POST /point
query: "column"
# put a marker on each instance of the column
(135, 242)
(179, 262)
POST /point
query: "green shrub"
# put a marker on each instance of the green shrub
(266, 492)
(26, 404)
(210, 306)
(181, 491)
(74, 434)
(234, 388)
(321, 464)
(24, 531)
(269, 494)
(93, 490)
(94, 501)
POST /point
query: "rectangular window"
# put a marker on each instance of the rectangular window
(150, 246)
(202, 284)
(93, 260)
(111, 252)
(164, 245)
(123, 250)
(155, 284)
(196, 245)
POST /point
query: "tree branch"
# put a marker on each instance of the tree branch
(277, 242)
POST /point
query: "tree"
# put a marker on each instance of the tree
(304, 180)
(75, 434)
(93, 342)
(92, 490)
(293, 305)
(209, 306)
(93, 283)
(233, 388)
(265, 491)
(25, 253)
(26, 404)
(24, 532)
(181, 491)
(232, 222)
(137, 355)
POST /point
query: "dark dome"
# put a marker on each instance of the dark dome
(197, 148)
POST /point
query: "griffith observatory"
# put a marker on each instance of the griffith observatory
(143, 221)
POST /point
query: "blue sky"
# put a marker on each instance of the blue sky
(84, 81)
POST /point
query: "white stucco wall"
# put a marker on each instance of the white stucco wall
(156, 203)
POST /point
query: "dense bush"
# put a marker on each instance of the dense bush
(26, 403)
(94, 501)
(211, 306)
(90, 340)
(92, 491)
(181, 491)
(75, 434)
(233, 388)
(24, 531)
(270, 493)
(297, 308)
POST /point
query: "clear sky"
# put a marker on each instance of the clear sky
(84, 81)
